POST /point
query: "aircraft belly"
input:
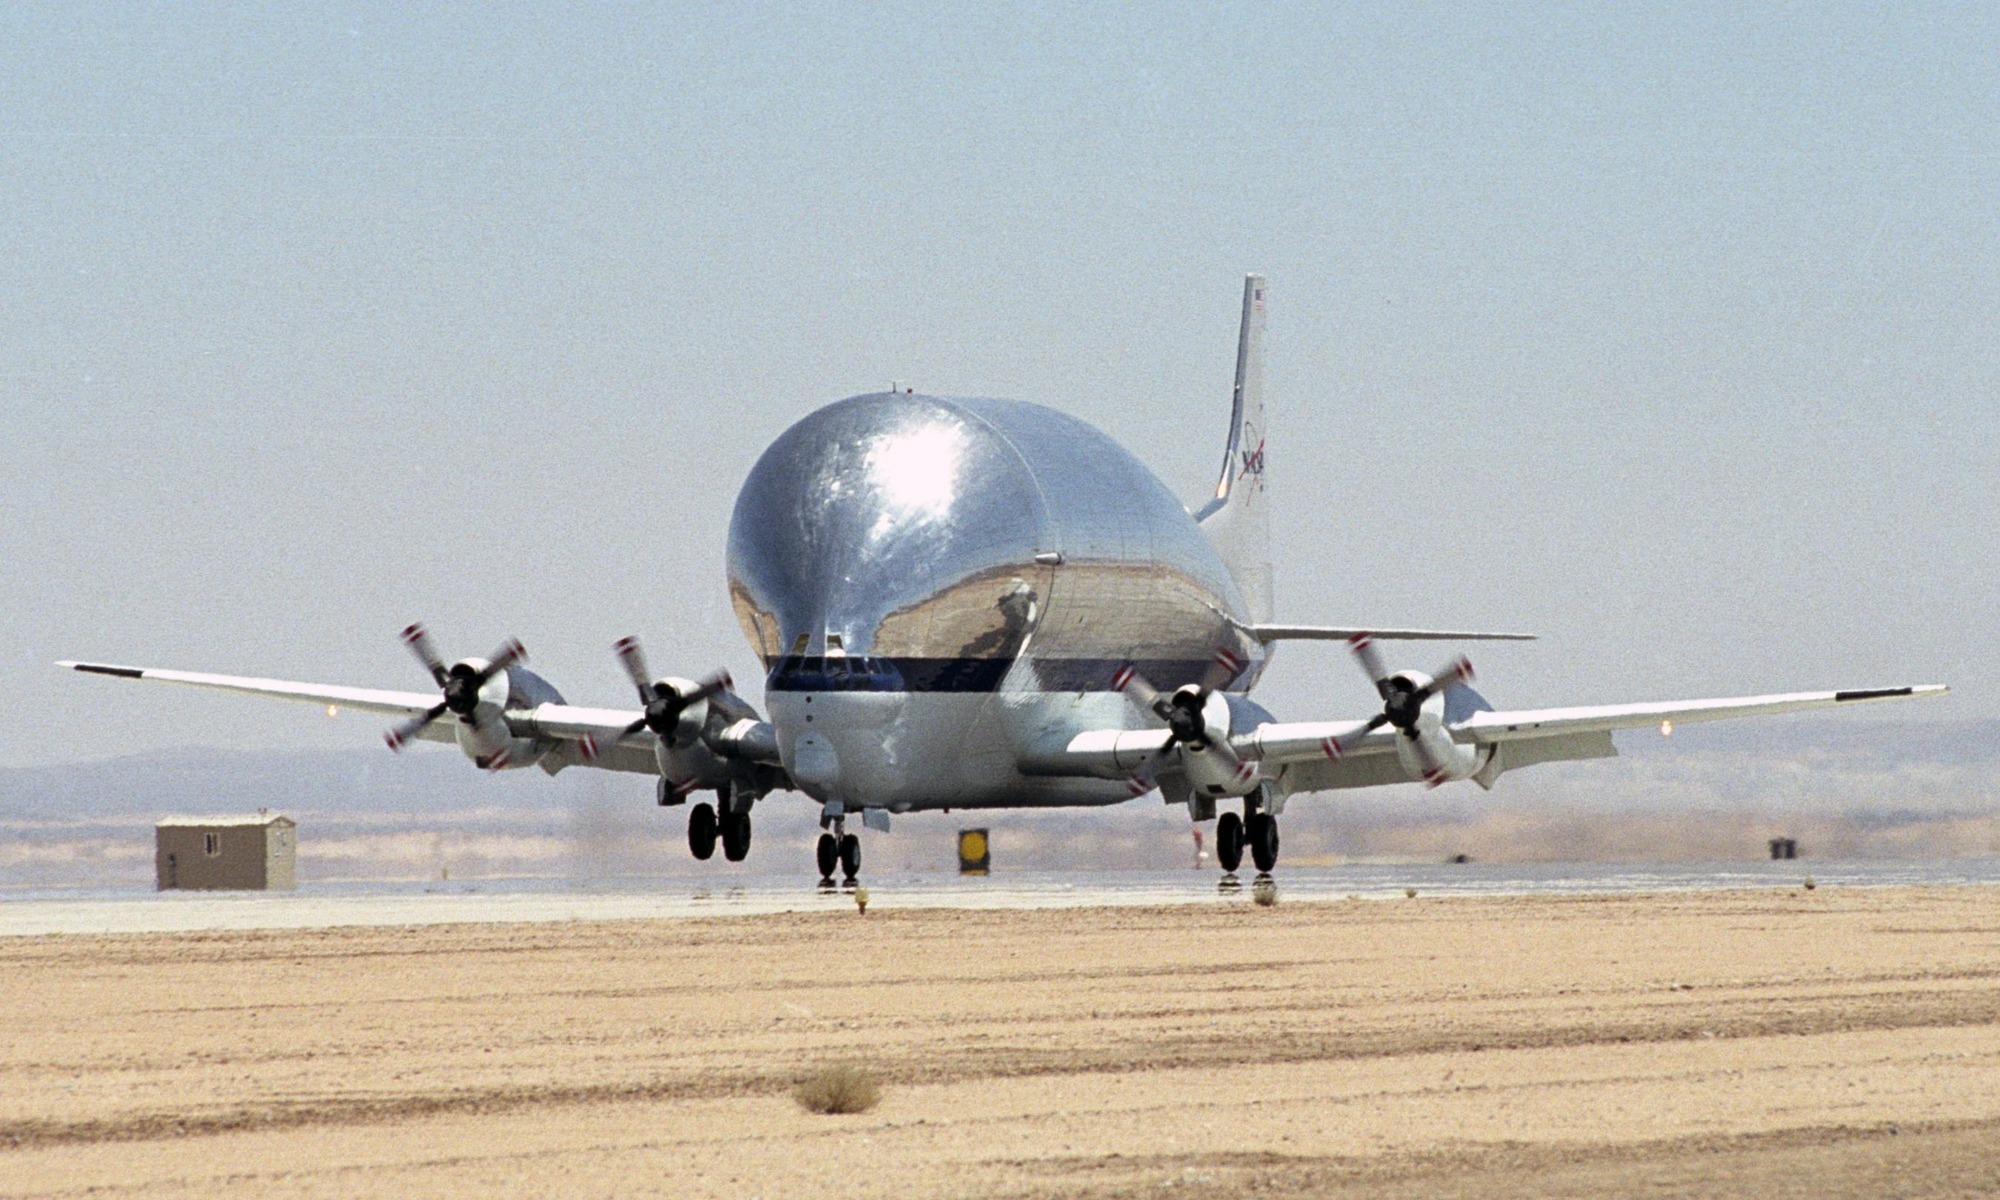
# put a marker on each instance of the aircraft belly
(916, 752)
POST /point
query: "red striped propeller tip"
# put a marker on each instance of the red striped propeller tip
(1123, 677)
(395, 743)
(413, 633)
(625, 645)
(1361, 641)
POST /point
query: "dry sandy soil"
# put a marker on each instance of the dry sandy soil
(1776, 1043)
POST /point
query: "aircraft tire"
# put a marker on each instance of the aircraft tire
(701, 831)
(736, 836)
(829, 855)
(1229, 842)
(1263, 833)
(850, 856)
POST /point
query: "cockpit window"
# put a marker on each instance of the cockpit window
(835, 673)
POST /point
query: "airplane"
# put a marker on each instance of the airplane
(987, 604)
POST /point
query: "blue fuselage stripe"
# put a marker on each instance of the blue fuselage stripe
(876, 674)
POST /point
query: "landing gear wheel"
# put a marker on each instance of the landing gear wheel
(1263, 832)
(829, 856)
(850, 857)
(1229, 842)
(735, 836)
(701, 831)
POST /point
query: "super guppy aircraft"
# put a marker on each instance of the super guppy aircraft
(990, 604)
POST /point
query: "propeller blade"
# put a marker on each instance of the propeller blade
(418, 639)
(1335, 747)
(1144, 779)
(594, 747)
(1135, 685)
(401, 735)
(1371, 662)
(1433, 770)
(1457, 671)
(1223, 669)
(714, 685)
(510, 652)
(634, 659)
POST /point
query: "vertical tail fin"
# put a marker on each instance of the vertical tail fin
(1237, 520)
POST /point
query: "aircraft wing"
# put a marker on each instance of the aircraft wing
(1305, 739)
(1521, 738)
(1342, 633)
(397, 704)
(1487, 727)
(566, 722)
(1299, 755)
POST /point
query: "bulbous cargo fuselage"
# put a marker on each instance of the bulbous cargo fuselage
(933, 584)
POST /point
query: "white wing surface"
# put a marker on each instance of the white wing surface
(1305, 739)
(1554, 722)
(566, 722)
(1342, 633)
(1320, 755)
(375, 700)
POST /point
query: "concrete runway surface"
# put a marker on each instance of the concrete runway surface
(732, 893)
(1779, 1042)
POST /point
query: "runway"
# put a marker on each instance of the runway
(1770, 1041)
(323, 906)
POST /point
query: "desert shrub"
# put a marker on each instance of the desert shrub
(840, 1088)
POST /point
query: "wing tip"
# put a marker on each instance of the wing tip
(1907, 692)
(115, 672)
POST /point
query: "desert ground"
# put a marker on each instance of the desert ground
(1779, 1042)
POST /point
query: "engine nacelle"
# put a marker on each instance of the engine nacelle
(1448, 760)
(1210, 773)
(484, 734)
(687, 728)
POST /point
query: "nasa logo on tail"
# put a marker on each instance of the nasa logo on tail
(1251, 475)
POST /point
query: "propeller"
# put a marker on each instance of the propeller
(459, 682)
(663, 703)
(1402, 703)
(1185, 714)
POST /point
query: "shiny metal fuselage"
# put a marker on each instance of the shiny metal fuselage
(935, 584)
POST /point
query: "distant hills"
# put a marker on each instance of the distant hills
(1844, 787)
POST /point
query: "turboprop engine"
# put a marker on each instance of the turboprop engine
(480, 692)
(1413, 704)
(1197, 720)
(704, 735)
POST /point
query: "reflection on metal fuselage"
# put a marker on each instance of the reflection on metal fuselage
(934, 584)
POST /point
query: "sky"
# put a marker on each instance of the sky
(1668, 333)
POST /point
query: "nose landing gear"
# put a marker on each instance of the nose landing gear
(838, 848)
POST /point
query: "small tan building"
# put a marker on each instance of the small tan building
(244, 852)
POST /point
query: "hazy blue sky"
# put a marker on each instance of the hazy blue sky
(1670, 335)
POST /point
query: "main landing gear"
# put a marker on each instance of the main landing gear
(706, 827)
(1258, 831)
(840, 849)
